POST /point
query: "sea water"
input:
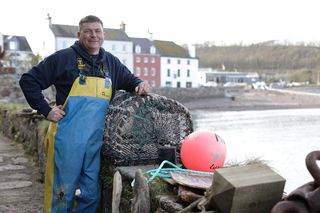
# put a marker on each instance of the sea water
(281, 138)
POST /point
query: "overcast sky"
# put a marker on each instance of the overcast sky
(181, 21)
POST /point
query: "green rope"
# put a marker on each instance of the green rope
(164, 172)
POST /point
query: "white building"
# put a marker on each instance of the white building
(211, 77)
(204, 77)
(178, 68)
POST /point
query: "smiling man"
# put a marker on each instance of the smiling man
(85, 77)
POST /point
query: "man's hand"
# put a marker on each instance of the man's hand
(56, 114)
(143, 88)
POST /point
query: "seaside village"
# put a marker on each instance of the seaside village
(161, 63)
(153, 160)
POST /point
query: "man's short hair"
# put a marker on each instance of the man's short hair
(90, 19)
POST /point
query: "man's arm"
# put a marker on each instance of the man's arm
(33, 93)
(39, 78)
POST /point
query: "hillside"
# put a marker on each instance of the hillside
(297, 62)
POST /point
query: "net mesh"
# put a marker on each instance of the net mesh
(136, 126)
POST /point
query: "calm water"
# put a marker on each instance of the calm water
(283, 138)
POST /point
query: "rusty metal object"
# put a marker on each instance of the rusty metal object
(136, 126)
(306, 198)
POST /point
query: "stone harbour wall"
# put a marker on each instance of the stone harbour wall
(26, 128)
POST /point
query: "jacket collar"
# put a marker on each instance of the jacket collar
(82, 53)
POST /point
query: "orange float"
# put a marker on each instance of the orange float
(203, 150)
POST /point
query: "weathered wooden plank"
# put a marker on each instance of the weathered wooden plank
(141, 200)
(193, 180)
(246, 189)
(188, 195)
(116, 192)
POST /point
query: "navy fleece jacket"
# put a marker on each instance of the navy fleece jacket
(61, 69)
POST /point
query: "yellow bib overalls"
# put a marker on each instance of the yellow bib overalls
(73, 148)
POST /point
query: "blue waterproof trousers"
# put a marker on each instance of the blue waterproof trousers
(73, 149)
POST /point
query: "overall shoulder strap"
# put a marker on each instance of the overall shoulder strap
(103, 66)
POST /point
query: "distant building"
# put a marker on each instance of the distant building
(161, 63)
(210, 77)
(178, 67)
(15, 59)
(17, 53)
(146, 61)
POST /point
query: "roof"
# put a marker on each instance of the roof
(144, 43)
(171, 49)
(23, 44)
(68, 31)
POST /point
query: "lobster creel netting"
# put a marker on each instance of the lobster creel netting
(136, 126)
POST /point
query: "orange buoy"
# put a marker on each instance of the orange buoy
(203, 150)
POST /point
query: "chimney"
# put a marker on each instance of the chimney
(192, 50)
(123, 26)
(150, 35)
(49, 19)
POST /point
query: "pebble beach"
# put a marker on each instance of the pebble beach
(252, 99)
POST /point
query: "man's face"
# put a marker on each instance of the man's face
(91, 37)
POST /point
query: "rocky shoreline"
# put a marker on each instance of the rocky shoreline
(258, 100)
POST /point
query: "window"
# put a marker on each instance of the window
(178, 61)
(145, 71)
(113, 47)
(153, 60)
(152, 50)
(168, 72)
(168, 61)
(138, 59)
(188, 62)
(13, 45)
(138, 71)
(145, 59)
(188, 73)
(168, 84)
(138, 49)
(178, 84)
(189, 84)
(178, 72)
(153, 71)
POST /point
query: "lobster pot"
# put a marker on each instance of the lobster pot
(137, 126)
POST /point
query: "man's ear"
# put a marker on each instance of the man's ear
(78, 34)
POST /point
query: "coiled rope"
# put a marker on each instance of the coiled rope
(164, 172)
